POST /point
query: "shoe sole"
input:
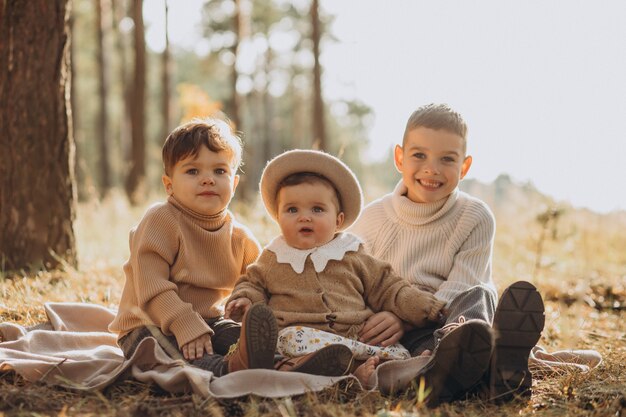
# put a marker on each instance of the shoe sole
(459, 362)
(332, 360)
(261, 336)
(518, 323)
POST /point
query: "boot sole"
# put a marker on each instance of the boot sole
(332, 360)
(459, 362)
(261, 336)
(518, 323)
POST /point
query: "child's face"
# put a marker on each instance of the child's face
(308, 215)
(204, 183)
(432, 163)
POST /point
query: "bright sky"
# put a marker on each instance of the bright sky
(541, 84)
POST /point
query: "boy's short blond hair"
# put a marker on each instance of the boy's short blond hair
(186, 140)
(436, 117)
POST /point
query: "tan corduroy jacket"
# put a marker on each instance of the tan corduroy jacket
(181, 266)
(340, 298)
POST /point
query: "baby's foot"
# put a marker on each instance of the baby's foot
(426, 353)
(365, 370)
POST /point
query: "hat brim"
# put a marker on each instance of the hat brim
(321, 163)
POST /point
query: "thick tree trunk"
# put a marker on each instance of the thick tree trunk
(104, 165)
(37, 194)
(319, 128)
(135, 182)
(123, 140)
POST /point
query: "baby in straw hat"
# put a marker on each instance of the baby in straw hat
(318, 280)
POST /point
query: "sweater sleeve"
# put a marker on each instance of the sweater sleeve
(472, 263)
(387, 291)
(253, 283)
(153, 249)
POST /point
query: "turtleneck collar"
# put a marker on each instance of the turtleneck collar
(419, 214)
(336, 249)
(208, 222)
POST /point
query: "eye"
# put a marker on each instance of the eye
(448, 159)
(318, 209)
(220, 171)
(192, 171)
(292, 210)
(419, 155)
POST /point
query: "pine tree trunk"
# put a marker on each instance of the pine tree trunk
(319, 128)
(135, 182)
(165, 81)
(37, 194)
(104, 165)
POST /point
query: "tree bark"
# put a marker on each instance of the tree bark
(37, 192)
(165, 81)
(135, 182)
(104, 165)
(319, 127)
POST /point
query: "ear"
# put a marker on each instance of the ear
(167, 183)
(398, 155)
(467, 163)
(235, 182)
(340, 218)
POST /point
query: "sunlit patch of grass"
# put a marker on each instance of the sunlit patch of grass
(582, 278)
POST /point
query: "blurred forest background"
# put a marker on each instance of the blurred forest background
(124, 98)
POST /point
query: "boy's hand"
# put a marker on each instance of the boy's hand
(383, 328)
(197, 347)
(237, 308)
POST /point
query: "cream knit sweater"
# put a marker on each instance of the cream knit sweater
(182, 265)
(446, 245)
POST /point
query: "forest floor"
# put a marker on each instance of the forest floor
(584, 311)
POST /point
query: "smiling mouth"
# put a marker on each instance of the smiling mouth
(430, 184)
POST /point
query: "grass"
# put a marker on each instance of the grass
(582, 277)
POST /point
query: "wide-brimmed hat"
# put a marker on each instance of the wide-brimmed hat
(321, 163)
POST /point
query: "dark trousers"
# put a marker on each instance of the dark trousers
(476, 303)
(226, 333)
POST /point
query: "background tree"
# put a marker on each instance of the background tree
(135, 182)
(166, 93)
(319, 126)
(37, 196)
(103, 9)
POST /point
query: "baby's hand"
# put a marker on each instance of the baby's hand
(237, 308)
(196, 348)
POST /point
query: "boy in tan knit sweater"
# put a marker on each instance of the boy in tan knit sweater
(186, 255)
(442, 240)
(320, 283)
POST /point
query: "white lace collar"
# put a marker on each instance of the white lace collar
(335, 250)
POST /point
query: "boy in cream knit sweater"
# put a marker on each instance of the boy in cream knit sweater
(319, 282)
(186, 255)
(441, 239)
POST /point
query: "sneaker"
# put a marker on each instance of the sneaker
(331, 360)
(458, 362)
(257, 342)
(518, 323)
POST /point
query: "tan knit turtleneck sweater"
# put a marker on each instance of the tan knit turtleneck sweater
(446, 245)
(182, 265)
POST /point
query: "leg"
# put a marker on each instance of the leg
(257, 343)
(461, 348)
(518, 324)
(226, 333)
(130, 342)
(332, 360)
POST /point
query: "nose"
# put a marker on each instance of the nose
(304, 217)
(207, 179)
(431, 168)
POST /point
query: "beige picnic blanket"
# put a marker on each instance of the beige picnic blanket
(76, 350)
